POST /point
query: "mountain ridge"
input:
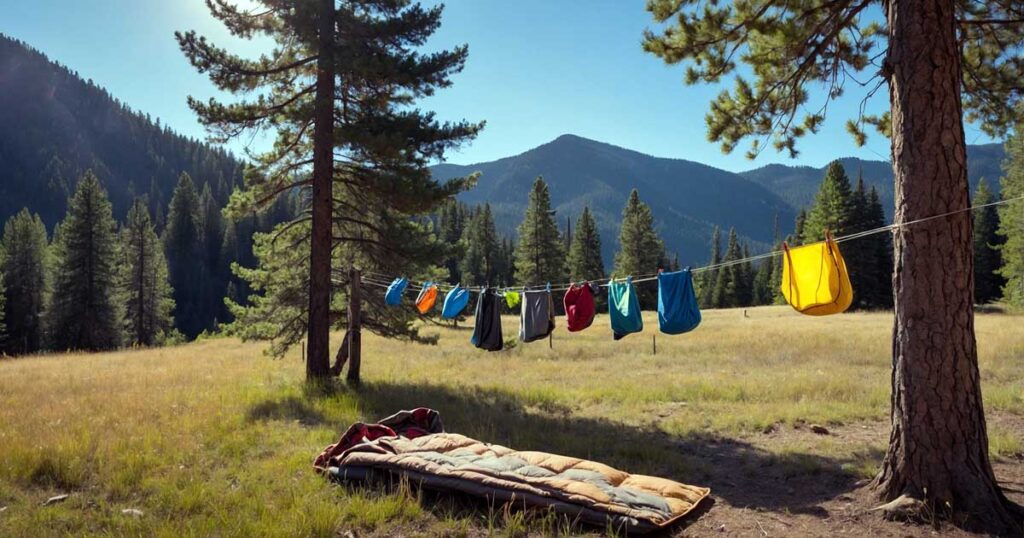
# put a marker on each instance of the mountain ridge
(55, 125)
(602, 175)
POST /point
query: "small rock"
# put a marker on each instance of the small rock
(819, 429)
(132, 512)
(721, 528)
(56, 499)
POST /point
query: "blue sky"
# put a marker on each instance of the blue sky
(537, 69)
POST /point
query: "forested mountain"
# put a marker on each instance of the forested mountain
(798, 184)
(54, 126)
(687, 199)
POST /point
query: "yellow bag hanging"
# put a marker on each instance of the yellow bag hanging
(814, 278)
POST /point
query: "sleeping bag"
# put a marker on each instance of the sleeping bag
(427, 297)
(814, 278)
(487, 330)
(455, 302)
(677, 304)
(393, 297)
(537, 318)
(579, 306)
(624, 308)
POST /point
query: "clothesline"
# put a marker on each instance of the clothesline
(382, 280)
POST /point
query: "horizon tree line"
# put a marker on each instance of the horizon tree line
(98, 285)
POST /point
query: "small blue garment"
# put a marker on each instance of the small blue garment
(677, 304)
(455, 302)
(393, 296)
(624, 308)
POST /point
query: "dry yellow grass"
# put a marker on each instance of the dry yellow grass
(215, 438)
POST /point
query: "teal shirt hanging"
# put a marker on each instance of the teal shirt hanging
(624, 308)
(678, 312)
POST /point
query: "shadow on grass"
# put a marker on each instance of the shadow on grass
(291, 408)
(737, 472)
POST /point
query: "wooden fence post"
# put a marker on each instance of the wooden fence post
(354, 326)
(654, 343)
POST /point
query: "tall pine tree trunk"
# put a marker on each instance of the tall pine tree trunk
(938, 449)
(318, 360)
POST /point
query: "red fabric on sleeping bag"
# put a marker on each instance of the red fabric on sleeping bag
(409, 424)
(579, 306)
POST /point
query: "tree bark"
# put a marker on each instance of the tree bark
(938, 449)
(355, 326)
(318, 360)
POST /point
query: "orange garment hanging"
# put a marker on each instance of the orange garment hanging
(814, 278)
(427, 298)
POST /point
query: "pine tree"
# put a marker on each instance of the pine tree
(340, 89)
(185, 253)
(585, 253)
(799, 228)
(85, 309)
(747, 274)
(731, 285)
(24, 266)
(147, 293)
(881, 245)
(771, 53)
(833, 206)
(213, 283)
(640, 250)
(763, 293)
(708, 283)
(988, 283)
(507, 273)
(452, 223)
(540, 257)
(1011, 220)
(481, 261)
(859, 256)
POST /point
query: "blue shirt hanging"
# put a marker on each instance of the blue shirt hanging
(455, 302)
(393, 296)
(624, 308)
(677, 304)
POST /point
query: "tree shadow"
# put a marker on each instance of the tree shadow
(737, 472)
(291, 408)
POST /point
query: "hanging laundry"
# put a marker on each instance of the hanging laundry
(393, 296)
(487, 330)
(512, 298)
(814, 278)
(579, 306)
(455, 302)
(537, 319)
(427, 297)
(624, 308)
(677, 304)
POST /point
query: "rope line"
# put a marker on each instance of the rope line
(383, 281)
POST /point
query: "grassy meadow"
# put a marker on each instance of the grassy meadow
(214, 438)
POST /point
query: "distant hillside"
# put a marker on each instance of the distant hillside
(687, 198)
(798, 184)
(54, 125)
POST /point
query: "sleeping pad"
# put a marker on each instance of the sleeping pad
(413, 444)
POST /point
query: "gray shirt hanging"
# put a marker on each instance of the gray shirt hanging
(538, 316)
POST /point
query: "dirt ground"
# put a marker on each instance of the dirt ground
(779, 502)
